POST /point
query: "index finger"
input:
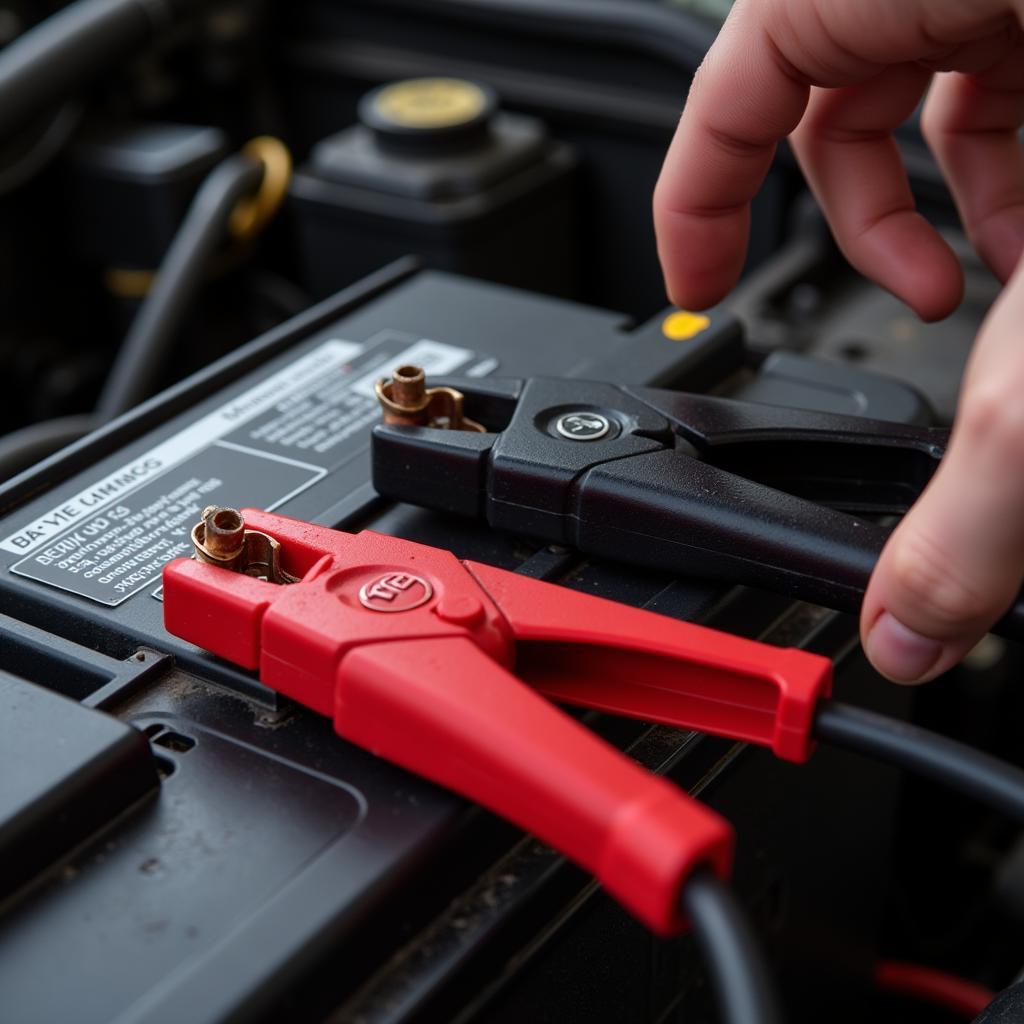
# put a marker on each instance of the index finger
(741, 104)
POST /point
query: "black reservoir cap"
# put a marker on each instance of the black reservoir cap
(66, 771)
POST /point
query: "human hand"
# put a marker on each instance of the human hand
(837, 77)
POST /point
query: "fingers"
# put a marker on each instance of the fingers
(751, 92)
(971, 124)
(741, 103)
(853, 166)
(956, 562)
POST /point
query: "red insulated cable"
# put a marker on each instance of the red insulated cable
(930, 985)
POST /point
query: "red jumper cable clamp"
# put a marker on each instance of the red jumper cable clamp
(442, 667)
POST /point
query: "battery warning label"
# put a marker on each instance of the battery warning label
(111, 539)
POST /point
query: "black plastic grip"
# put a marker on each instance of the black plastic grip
(692, 518)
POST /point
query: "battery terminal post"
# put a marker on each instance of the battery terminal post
(220, 538)
(406, 401)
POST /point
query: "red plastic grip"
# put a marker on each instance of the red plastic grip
(589, 652)
(447, 711)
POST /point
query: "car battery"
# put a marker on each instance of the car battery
(179, 843)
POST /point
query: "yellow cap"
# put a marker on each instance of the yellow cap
(430, 103)
(682, 325)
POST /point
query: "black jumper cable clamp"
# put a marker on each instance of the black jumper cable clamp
(784, 499)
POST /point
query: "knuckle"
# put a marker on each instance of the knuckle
(932, 589)
(993, 415)
(660, 204)
(735, 145)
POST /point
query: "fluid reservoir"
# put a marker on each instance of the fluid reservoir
(435, 168)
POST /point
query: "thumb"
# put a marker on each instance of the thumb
(956, 562)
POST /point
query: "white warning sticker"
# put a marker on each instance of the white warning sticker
(330, 356)
(261, 448)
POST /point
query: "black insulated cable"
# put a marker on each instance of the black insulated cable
(956, 765)
(139, 364)
(142, 358)
(52, 61)
(743, 986)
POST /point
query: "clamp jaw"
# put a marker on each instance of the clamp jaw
(443, 667)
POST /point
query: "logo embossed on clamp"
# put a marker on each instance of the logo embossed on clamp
(395, 592)
(583, 426)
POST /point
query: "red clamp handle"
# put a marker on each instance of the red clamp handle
(445, 710)
(592, 653)
(431, 689)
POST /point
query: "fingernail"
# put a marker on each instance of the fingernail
(898, 652)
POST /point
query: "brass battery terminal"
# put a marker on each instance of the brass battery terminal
(407, 401)
(220, 538)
